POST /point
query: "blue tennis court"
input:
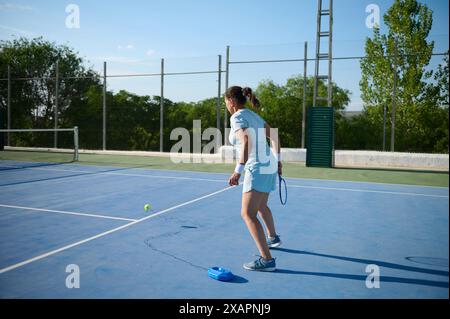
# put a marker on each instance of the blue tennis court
(59, 215)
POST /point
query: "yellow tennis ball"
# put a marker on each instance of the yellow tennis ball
(147, 207)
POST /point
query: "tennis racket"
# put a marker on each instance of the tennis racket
(282, 190)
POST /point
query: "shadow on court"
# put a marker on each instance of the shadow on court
(124, 164)
(62, 177)
(413, 281)
(369, 261)
(237, 280)
(32, 165)
(422, 282)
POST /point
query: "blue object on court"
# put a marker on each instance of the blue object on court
(219, 273)
(282, 182)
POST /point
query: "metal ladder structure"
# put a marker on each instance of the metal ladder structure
(323, 56)
(320, 120)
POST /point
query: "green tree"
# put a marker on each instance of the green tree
(33, 70)
(357, 133)
(132, 121)
(436, 109)
(140, 140)
(282, 105)
(409, 22)
(182, 114)
(86, 113)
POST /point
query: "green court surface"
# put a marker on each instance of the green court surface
(296, 170)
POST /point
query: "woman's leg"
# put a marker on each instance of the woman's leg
(251, 201)
(266, 215)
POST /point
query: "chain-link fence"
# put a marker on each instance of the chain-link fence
(119, 107)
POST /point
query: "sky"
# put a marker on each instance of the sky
(133, 36)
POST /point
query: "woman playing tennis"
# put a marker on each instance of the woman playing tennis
(249, 133)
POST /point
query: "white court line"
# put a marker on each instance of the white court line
(184, 171)
(223, 181)
(368, 191)
(170, 177)
(362, 182)
(292, 178)
(53, 252)
(66, 212)
(124, 174)
(296, 178)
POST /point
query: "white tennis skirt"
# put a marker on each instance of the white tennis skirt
(255, 180)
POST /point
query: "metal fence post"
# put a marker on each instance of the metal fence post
(227, 77)
(394, 98)
(104, 105)
(384, 127)
(9, 106)
(161, 116)
(219, 91)
(330, 61)
(219, 81)
(75, 142)
(305, 79)
(55, 140)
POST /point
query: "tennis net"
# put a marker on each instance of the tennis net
(22, 146)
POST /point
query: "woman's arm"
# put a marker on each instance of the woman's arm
(243, 140)
(272, 135)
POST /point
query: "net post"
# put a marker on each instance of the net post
(75, 142)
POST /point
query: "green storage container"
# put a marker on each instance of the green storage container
(320, 137)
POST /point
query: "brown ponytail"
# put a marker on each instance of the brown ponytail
(248, 93)
(240, 96)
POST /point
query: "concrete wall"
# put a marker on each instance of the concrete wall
(391, 160)
(363, 159)
(369, 159)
